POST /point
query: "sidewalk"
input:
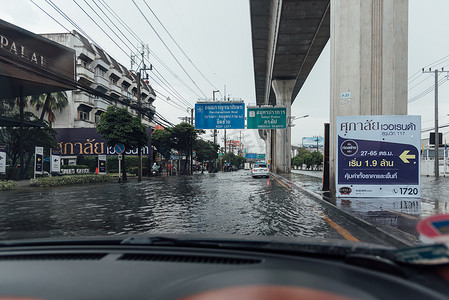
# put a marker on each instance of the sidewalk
(393, 217)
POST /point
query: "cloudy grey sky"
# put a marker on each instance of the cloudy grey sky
(216, 37)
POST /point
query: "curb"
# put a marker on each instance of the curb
(393, 239)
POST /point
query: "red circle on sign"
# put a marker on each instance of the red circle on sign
(434, 226)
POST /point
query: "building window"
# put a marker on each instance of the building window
(84, 112)
(97, 116)
(99, 71)
(82, 115)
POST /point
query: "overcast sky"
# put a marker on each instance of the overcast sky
(216, 36)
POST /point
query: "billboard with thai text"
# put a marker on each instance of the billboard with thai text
(378, 156)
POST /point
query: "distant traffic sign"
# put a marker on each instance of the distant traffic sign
(266, 118)
(251, 155)
(119, 148)
(220, 115)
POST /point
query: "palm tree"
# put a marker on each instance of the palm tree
(58, 100)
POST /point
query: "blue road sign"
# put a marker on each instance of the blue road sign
(220, 115)
(119, 148)
(251, 155)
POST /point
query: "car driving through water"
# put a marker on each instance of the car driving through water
(260, 170)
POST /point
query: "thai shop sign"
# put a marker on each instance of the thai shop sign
(2, 159)
(55, 161)
(266, 118)
(378, 156)
(220, 115)
(87, 141)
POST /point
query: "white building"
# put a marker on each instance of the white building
(98, 70)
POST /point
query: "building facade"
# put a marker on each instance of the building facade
(98, 70)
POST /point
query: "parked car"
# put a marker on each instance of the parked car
(260, 170)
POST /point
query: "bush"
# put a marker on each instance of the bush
(6, 185)
(69, 180)
(12, 173)
(74, 167)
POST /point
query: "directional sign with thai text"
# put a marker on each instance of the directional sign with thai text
(220, 115)
(378, 156)
(266, 118)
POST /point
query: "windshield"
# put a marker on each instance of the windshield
(150, 117)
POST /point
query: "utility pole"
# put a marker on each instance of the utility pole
(139, 105)
(437, 137)
(215, 130)
(191, 146)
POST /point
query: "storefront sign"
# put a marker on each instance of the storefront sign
(101, 164)
(378, 156)
(87, 141)
(38, 160)
(55, 161)
(2, 159)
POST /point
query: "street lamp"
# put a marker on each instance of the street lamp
(291, 119)
(296, 118)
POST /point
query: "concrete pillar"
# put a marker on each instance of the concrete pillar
(281, 154)
(369, 42)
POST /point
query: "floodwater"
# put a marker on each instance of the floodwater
(221, 203)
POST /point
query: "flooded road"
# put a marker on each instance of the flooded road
(221, 203)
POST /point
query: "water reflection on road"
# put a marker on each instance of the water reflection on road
(231, 203)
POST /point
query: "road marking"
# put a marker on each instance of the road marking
(343, 232)
(282, 183)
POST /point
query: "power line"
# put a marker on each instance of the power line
(112, 12)
(73, 23)
(168, 48)
(179, 47)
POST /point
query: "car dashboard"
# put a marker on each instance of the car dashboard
(145, 272)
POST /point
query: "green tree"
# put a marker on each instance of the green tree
(57, 101)
(161, 140)
(206, 150)
(118, 126)
(235, 160)
(11, 137)
(317, 158)
(183, 137)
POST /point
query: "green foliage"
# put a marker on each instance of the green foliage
(305, 157)
(7, 107)
(69, 180)
(160, 139)
(235, 160)
(6, 185)
(75, 167)
(57, 101)
(118, 126)
(11, 137)
(206, 150)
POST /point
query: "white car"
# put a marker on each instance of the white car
(260, 170)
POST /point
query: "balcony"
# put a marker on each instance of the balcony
(100, 64)
(83, 124)
(101, 104)
(85, 73)
(84, 54)
(83, 97)
(101, 83)
(113, 73)
(114, 90)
